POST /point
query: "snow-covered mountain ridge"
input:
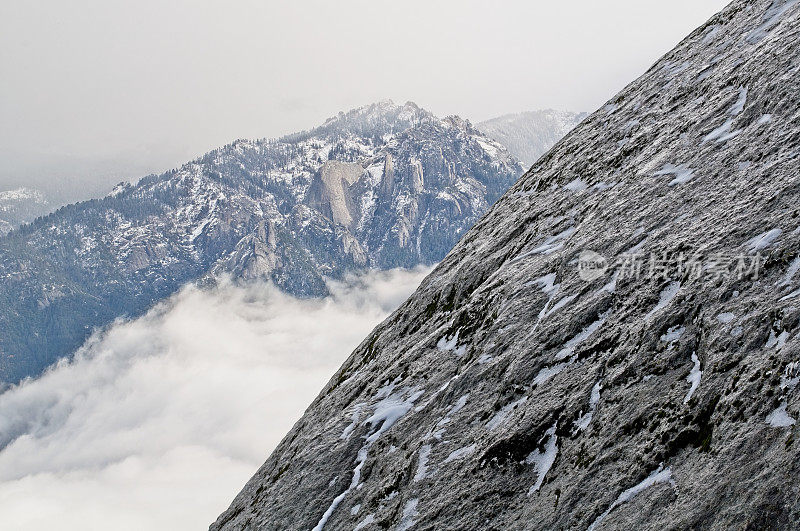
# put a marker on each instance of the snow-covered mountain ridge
(381, 186)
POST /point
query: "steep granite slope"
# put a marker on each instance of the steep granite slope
(648, 384)
(378, 187)
(529, 135)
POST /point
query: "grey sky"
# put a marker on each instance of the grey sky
(94, 88)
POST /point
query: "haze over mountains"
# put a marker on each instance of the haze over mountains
(614, 345)
(379, 187)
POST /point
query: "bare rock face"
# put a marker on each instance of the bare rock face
(330, 191)
(256, 255)
(613, 346)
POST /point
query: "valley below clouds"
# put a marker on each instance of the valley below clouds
(160, 420)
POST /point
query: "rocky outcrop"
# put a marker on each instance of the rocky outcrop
(255, 256)
(387, 177)
(330, 191)
(613, 346)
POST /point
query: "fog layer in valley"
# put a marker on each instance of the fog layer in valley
(158, 422)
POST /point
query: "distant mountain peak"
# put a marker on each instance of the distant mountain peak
(21, 194)
(528, 135)
(20, 205)
(380, 186)
(384, 111)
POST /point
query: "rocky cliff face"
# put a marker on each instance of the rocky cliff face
(613, 346)
(529, 135)
(379, 187)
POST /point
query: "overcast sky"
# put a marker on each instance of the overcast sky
(124, 88)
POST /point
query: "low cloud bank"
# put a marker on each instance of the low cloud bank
(158, 422)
